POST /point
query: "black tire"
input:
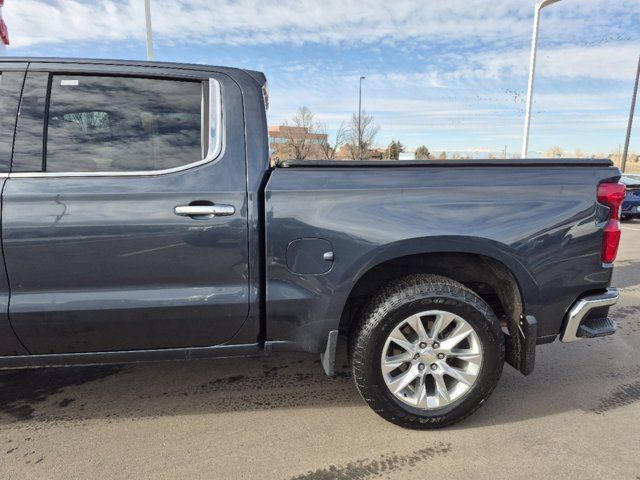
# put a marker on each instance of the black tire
(391, 305)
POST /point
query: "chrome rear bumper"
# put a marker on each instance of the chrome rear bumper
(581, 308)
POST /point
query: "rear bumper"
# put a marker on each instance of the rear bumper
(580, 310)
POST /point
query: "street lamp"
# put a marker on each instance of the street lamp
(360, 119)
(532, 68)
(147, 18)
(623, 162)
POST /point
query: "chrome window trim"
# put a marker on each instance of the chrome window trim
(215, 127)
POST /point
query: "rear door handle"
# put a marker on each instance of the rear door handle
(204, 211)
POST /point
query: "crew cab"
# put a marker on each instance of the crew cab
(141, 220)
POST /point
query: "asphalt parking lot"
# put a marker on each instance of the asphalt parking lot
(577, 415)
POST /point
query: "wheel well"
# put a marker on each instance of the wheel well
(487, 277)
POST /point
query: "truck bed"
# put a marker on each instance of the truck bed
(542, 223)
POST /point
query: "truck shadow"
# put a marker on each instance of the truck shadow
(625, 273)
(170, 388)
(294, 381)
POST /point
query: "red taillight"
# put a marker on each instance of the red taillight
(610, 241)
(612, 195)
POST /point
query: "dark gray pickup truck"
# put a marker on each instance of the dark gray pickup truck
(141, 221)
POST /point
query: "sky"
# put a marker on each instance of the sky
(451, 75)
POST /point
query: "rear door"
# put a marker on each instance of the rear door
(125, 217)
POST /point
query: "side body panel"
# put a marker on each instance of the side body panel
(542, 222)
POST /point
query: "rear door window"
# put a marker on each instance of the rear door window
(122, 124)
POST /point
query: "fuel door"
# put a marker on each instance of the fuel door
(309, 256)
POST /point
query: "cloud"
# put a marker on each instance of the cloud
(260, 22)
(611, 61)
(452, 72)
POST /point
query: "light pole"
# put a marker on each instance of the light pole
(360, 119)
(532, 68)
(623, 163)
(147, 17)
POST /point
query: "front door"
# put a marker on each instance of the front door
(11, 78)
(124, 221)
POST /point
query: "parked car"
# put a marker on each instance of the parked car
(141, 220)
(631, 204)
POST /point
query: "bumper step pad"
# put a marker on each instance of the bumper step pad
(597, 327)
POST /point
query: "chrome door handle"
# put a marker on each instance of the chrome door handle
(204, 211)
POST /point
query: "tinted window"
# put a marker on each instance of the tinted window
(111, 124)
(10, 86)
(27, 152)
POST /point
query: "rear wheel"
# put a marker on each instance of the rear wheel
(426, 352)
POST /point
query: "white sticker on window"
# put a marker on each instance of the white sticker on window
(70, 83)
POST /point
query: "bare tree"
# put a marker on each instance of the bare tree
(554, 152)
(89, 120)
(364, 132)
(422, 153)
(298, 143)
(329, 149)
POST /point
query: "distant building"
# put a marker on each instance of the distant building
(282, 137)
(4, 33)
(375, 154)
(372, 154)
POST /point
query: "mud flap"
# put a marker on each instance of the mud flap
(328, 357)
(521, 352)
